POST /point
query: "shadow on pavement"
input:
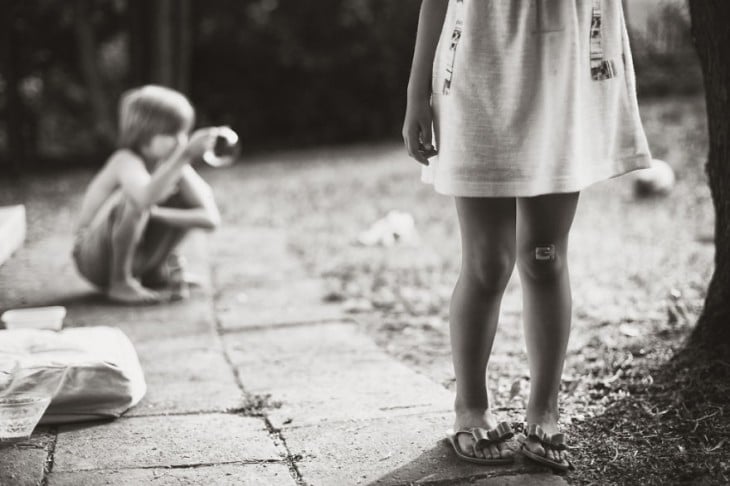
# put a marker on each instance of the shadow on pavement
(439, 465)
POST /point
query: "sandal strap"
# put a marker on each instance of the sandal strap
(535, 432)
(500, 433)
(555, 441)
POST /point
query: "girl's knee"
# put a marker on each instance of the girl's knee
(542, 262)
(491, 270)
(128, 214)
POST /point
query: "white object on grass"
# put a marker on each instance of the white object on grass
(396, 227)
(35, 318)
(658, 179)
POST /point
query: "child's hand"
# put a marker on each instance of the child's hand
(201, 141)
(417, 130)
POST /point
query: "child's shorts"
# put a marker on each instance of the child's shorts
(92, 251)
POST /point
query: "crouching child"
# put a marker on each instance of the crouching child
(140, 206)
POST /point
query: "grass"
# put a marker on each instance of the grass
(637, 409)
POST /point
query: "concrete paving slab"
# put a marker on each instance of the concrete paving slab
(170, 441)
(342, 375)
(41, 273)
(544, 479)
(291, 342)
(272, 295)
(201, 381)
(233, 320)
(243, 256)
(233, 274)
(269, 304)
(389, 451)
(223, 475)
(23, 464)
(12, 230)
(326, 390)
(141, 324)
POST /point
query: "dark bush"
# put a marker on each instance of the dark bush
(282, 72)
(664, 57)
(288, 72)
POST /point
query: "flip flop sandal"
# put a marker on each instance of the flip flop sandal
(483, 438)
(555, 441)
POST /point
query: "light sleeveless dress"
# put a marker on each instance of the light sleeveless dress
(533, 97)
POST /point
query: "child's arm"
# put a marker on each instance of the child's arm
(418, 119)
(201, 211)
(144, 189)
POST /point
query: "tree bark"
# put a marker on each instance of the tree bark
(184, 45)
(711, 35)
(163, 64)
(14, 110)
(104, 126)
(160, 42)
(139, 28)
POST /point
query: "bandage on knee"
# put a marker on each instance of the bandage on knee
(545, 252)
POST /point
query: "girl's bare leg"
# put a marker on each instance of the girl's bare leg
(488, 257)
(543, 224)
(158, 243)
(129, 224)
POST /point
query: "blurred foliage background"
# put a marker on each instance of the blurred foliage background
(282, 73)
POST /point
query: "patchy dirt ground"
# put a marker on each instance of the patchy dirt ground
(635, 414)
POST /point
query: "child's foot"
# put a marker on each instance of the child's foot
(160, 280)
(170, 273)
(476, 418)
(132, 292)
(156, 279)
(534, 445)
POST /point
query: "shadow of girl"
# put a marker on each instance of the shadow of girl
(439, 465)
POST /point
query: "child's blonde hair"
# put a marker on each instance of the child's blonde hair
(152, 110)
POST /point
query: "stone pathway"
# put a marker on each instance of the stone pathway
(252, 381)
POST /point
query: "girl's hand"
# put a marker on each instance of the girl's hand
(201, 141)
(417, 129)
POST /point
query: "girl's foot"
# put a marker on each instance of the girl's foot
(132, 292)
(549, 427)
(468, 419)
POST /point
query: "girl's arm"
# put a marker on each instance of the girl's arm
(201, 211)
(146, 189)
(418, 120)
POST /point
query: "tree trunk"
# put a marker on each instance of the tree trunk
(160, 42)
(163, 63)
(14, 110)
(139, 28)
(184, 45)
(103, 126)
(711, 34)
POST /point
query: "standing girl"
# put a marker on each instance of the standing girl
(530, 101)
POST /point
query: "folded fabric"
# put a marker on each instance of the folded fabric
(103, 377)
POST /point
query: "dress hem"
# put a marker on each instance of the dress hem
(465, 188)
